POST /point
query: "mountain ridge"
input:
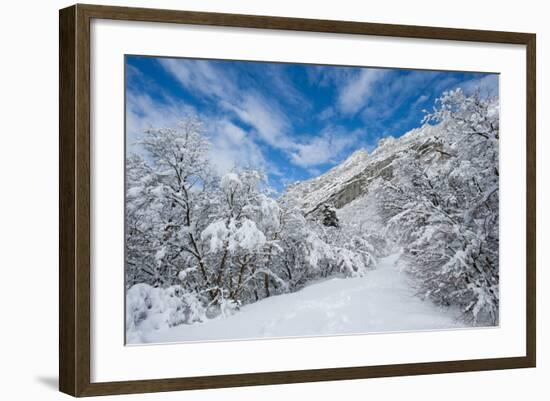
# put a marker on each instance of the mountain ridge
(350, 179)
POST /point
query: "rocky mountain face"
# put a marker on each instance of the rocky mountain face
(351, 179)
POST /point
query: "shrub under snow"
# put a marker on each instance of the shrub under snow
(149, 308)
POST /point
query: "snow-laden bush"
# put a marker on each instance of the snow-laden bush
(376, 243)
(234, 236)
(152, 308)
(334, 250)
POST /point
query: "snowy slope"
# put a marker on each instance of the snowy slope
(312, 192)
(356, 172)
(382, 301)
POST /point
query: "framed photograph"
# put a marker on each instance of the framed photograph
(250, 200)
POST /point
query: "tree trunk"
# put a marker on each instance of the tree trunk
(266, 285)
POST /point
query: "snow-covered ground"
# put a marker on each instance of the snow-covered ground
(382, 301)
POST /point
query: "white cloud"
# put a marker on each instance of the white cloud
(487, 85)
(315, 152)
(329, 147)
(142, 112)
(271, 125)
(356, 92)
(421, 99)
(199, 75)
(233, 148)
(249, 106)
(284, 86)
(396, 91)
(326, 113)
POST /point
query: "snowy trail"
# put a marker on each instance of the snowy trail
(381, 301)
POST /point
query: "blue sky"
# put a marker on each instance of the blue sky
(293, 121)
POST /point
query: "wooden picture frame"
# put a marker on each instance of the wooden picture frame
(74, 199)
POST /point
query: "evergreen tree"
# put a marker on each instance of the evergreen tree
(330, 219)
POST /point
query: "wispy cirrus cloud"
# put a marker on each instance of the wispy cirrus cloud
(330, 146)
(281, 81)
(143, 112)
(233, 148)
(358, 91)
(245, 103)
(486, 85)
(201, 76)
(271, 125)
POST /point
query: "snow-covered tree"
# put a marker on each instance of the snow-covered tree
(241, 239)
(167, 207)
(442, 206)
(330, 219)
